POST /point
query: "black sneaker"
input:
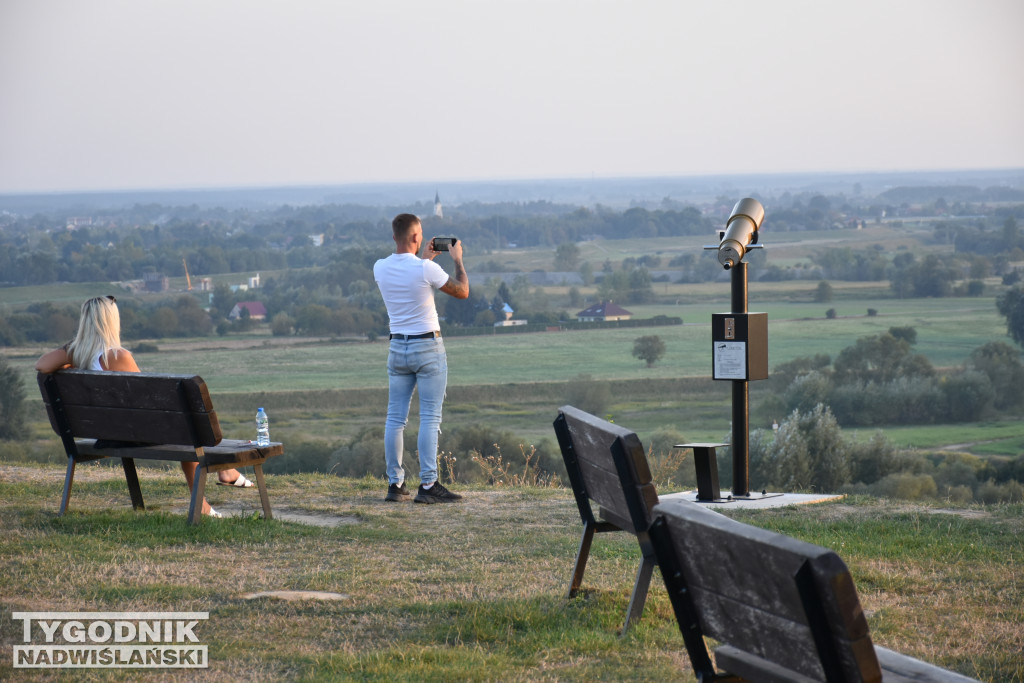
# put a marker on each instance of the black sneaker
(435, 494)
(397, 493)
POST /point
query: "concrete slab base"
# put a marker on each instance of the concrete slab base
(755, 500)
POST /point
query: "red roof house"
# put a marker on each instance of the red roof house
(606, 310)
(256, 310)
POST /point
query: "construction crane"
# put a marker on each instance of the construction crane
(188, 280)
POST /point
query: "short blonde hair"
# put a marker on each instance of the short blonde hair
(99, 331)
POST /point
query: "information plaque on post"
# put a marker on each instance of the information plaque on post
(739, 346)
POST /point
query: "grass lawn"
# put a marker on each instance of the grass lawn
(474, 591)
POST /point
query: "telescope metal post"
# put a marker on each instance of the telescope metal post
(740, 397)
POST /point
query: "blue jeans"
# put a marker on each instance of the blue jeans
(414, 363)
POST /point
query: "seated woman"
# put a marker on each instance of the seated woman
(97, 346)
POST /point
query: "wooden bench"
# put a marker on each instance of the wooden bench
(131, 416)
(781, 609)
(607, 465)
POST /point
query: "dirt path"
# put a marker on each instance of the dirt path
(967, 445)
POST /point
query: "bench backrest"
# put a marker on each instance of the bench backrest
(130, 406)
(607, 464)
(772, 600)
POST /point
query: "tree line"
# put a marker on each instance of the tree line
(125, 244)
(334, 281)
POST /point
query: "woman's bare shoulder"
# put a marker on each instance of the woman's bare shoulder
(120, 360)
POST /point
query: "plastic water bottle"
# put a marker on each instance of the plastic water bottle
(262, 428)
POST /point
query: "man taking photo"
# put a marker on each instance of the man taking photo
(416, 356)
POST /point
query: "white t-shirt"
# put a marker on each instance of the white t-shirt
(407, 284)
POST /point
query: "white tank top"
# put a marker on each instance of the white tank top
(96, 364)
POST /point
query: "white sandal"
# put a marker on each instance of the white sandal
(213, 513)
(241, 482)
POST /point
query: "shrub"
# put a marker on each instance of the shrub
(664, 439)
(807, 453)
(958, 469)
(669, 466)
(498, 471)
(1006, 469)
(958, 495)
(907, 400)
(1002, 364)
(305, 456)
(649, 349)
(907, 334)
(1008, 492)
(587, 395)
(784, 373)
(12, 402)
(767, 409)
(851, 405)
(364, 454)
(872, 460)
(823, 293)
(760, 465)
(489, 449)
(906, 486)
(914, 400)
(787, 463)
(282, 325)
(967, 395)
(145, 347)
(827, 448)
(807, 391)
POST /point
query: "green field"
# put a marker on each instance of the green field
(988, 438)
(947, 331)
(329, 389)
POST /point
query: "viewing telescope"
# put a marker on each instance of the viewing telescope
(740, 232)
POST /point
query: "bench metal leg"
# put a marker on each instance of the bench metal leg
(639, 597)
(262, 485)
(581, 558)
(69, 476)
(132, 477)
(195, 507)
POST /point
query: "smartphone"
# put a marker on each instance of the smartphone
(443, 243)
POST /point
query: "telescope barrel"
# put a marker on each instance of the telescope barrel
(741, 229)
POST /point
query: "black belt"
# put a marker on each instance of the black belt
(425, 335)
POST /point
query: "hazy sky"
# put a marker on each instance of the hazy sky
(123, 94)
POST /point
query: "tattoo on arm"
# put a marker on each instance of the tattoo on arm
(457, 286)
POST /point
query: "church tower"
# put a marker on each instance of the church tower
(437, 205)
